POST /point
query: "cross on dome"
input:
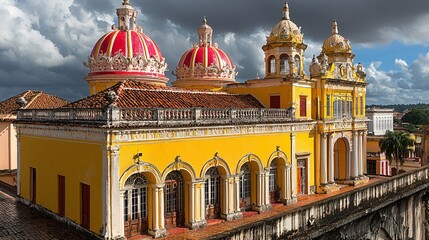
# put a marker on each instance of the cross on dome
(286, 11)
(334, 27)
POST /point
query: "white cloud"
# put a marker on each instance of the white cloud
(21, 43)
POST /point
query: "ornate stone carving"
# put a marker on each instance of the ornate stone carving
(199, 71)
(119, 62)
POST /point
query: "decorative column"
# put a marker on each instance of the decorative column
(323, 160)
(259, 187)
(354, 163)
(294, 165)
(158, 223)
(115, 199)
(331, 159)
(236, 183)
(121, 206)
(364, 153)
(202, 202)
(196, 221)
(162, 232)
(360, 163)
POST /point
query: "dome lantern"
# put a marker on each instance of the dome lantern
(205, 34)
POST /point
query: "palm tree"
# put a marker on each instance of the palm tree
(395, 145)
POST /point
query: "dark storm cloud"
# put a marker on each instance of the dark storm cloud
(43, 43)
(361, 21)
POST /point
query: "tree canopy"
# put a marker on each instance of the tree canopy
(417, 116)
(395, 145)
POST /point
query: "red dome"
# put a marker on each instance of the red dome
(205, 57)
(128, 52)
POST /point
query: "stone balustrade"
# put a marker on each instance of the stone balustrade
(312, 220)
(113, 116)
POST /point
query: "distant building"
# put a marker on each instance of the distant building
(8, 141)
(381, 120)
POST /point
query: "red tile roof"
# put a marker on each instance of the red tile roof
(132, 94)
(35, 100)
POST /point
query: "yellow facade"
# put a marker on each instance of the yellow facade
(78, 162)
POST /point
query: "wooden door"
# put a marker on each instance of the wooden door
(174, 200)
(302, 106)
(85, 206)
(273, 185)
(32, 185)
(135, 205)
(61, 195)
(302, 177)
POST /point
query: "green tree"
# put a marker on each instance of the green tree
(395, 145)
(417, 116)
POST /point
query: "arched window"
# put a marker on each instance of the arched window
(271, 64)
(135, 204)
(298, 64)
(245, 181)
(273, 185)
(174, 200)
(284, 64)
(212, 193)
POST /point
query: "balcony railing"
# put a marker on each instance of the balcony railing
(155, 116)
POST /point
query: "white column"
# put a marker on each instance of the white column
(323, 160)
(284, 183)
(364, 153)
(121, 206)
(191, 203)
(354, 163)
(115, 212)
(156, 208)
(203, 204)
(289, 182)
(267, 187)
(331, 159)
(294, 164)
(237, 193)
(225, 195)
(360, 171)
(160, 188)
(259, 184)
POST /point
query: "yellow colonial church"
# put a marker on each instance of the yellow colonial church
(139, 157)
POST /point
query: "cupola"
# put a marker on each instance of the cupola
(125, 53)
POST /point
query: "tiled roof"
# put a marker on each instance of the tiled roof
(35, 100)
(131, 94)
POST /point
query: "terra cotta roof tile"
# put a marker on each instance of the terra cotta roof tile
(132, 94)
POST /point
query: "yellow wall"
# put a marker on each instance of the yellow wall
(197, 151)
(79, 162)
(372, 145)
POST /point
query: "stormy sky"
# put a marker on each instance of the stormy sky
(43, 43)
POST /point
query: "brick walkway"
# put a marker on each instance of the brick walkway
(18, 221)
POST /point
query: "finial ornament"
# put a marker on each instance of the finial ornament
(286, 11)
(126, 2)
(204, 20)
(334, 27)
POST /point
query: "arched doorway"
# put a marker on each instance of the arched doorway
(212, 193)
(135, 205)
(340, 159)
(245, 187)
(276, 177)
(174, 200)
